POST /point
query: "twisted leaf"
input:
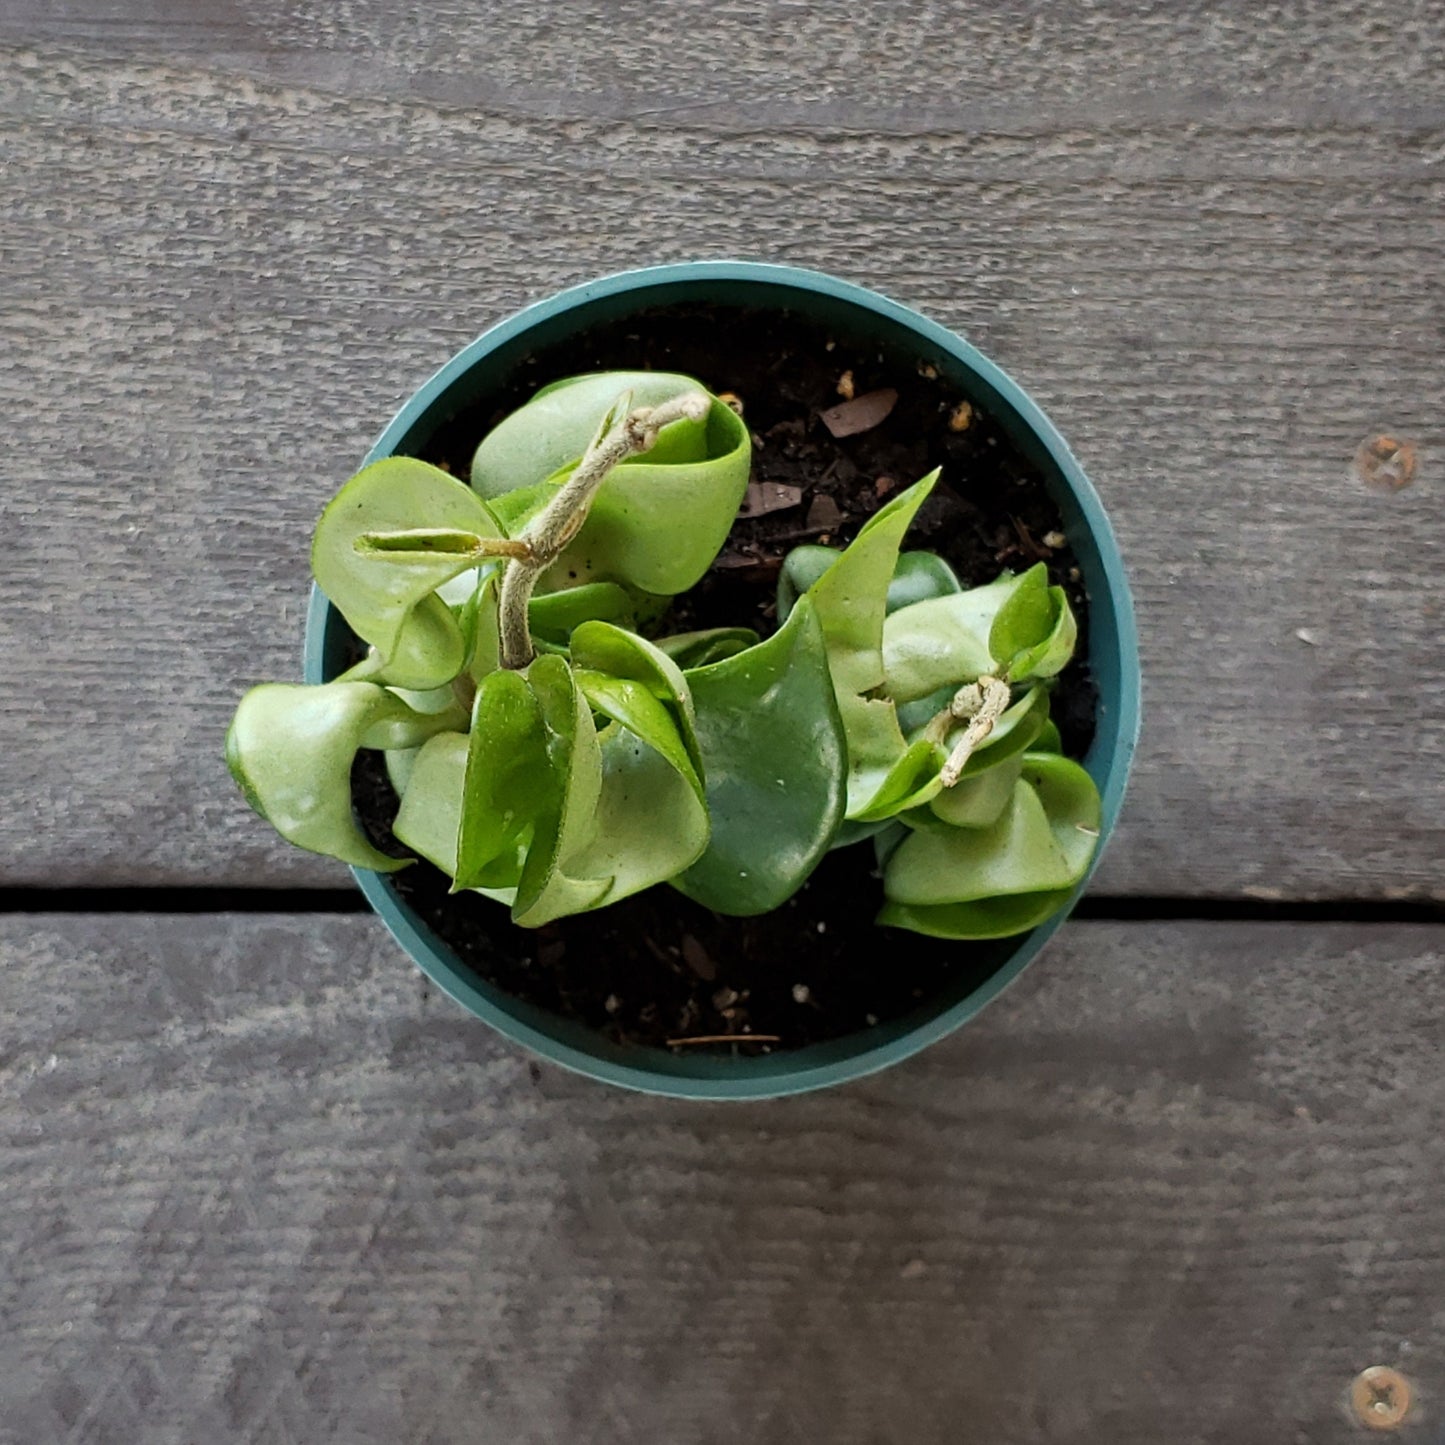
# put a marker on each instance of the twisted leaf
(390, 537)
(659, 518)
(851, 599)
(973, 802)
(984, 918)
(628, 818)
(430, 815)
(598, 647)
(1016, 627)
(291, 748)
(1043, 840)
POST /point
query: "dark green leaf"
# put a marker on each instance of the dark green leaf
(850, 832)
(553, 616)
(801, 568)
(919, 576)
(916, 577)
(698, 649)
(775, 759)
(510, 781)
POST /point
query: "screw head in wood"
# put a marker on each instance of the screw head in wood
(1381, 1397)
(1386, 463)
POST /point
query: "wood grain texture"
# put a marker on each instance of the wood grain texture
(233, 244)
(1181, 1184)
(914, 65)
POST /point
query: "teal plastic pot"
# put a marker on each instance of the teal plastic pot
(1112, 648)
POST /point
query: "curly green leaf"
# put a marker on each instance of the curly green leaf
(291, 747)
(660, 518)
(389, 538)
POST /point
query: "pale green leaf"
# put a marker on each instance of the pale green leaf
(660, 518)
(430, 816)
(1048, 740)
(429, 649)
(628, 818)
(909, 783)
(291, 747)
(937, 645)
(650, 823)
(477, 623)
(983, 918)
(973, 802)
(851, 598)
(1043, 840)
(388, 599)
(1014, 733)
(400, 765)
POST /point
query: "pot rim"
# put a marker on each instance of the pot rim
(1109, 759)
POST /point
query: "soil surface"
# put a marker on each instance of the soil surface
(657, 967)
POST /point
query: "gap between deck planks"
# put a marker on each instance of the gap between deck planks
(1181, 1183)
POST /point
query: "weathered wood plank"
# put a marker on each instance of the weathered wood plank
(1181, 1184)
(221, 285)
(911, 66)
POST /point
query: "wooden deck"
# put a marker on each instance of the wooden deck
(1179, 1185)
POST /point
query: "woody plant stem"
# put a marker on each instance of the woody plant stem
(546, 536)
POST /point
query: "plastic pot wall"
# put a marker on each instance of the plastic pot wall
(1111, 645)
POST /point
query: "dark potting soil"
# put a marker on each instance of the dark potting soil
(657, 967)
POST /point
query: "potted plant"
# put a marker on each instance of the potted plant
(721, 679)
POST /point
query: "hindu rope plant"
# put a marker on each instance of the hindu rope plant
(555, 747)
